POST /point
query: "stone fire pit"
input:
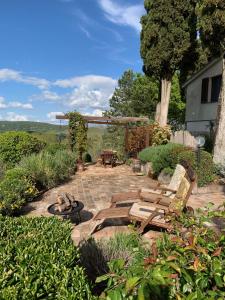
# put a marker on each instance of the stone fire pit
(66, 206)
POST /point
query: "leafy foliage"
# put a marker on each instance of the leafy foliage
(160, 135)
(205, 170)
(136, 95)
(14, 145)
(188, 265)
(39, 261)
(48, 170)
(78, 133)
(16, 188)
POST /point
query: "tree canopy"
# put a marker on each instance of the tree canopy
(136, 95)
(168, 32)
(212, 26)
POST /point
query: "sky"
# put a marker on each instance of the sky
(58, 56)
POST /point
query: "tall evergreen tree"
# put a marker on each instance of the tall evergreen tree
(167, 38)
(212, 33)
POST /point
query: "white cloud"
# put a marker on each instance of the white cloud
(51, 115)
(13, 75)
(14, 104)
(128, 15)
(12, 116)
(89, 91)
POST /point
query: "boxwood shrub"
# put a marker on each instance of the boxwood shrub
(16, 144)
(39, 261)
(167, 156)
(16, 188)
(162, 156)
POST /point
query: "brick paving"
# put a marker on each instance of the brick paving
(95, 186)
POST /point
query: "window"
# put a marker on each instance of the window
(211, 89)
(215, 91)
(205, 88)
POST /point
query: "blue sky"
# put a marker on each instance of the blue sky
(63, 55)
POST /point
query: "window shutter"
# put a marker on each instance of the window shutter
(216, 85)
(205, 87)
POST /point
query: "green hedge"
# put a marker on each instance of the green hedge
(15, 144)
(167, 156)
(16, 188)
(39, 261)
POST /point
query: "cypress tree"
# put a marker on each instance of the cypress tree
(167, 38)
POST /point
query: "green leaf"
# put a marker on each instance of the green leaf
(131, 283)
(115, 295)
(103, 278)
(144, 292)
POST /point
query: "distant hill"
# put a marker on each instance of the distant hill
(42, 127)
(30, 126)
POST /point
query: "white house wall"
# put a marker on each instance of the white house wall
(197, 111)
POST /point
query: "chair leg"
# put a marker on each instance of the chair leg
(95, 226)
(147, 221)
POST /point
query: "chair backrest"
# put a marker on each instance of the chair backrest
(184, 190)
(178, 175)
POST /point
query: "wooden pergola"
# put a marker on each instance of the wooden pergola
(118, 121)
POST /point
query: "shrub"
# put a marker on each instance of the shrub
(16, 188)
(162, 156)
(14, 145)
(160, 135)
(188, 265)
(39, 261)
(206, 169)
(95, 255)
(48, 170)
(54, 147)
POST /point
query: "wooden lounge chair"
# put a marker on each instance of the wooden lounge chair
(149, 213)
(154, 192)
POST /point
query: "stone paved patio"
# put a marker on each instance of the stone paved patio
(95, 186)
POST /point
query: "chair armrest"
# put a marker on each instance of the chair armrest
(166, 209)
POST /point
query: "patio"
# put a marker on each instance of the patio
(95, 186)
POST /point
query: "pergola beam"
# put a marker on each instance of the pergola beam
(107, 120)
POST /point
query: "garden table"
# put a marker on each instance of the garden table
(109, 157)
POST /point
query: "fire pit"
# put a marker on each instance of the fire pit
(66, 206)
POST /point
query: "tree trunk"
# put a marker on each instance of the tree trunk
(165, 99)
(219, 145)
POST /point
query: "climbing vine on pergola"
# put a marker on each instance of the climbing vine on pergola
(77, 133)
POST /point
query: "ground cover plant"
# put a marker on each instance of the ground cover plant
(95, 255)
(167, 156)
(39, 261)
(189, 265)
(16, 144)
